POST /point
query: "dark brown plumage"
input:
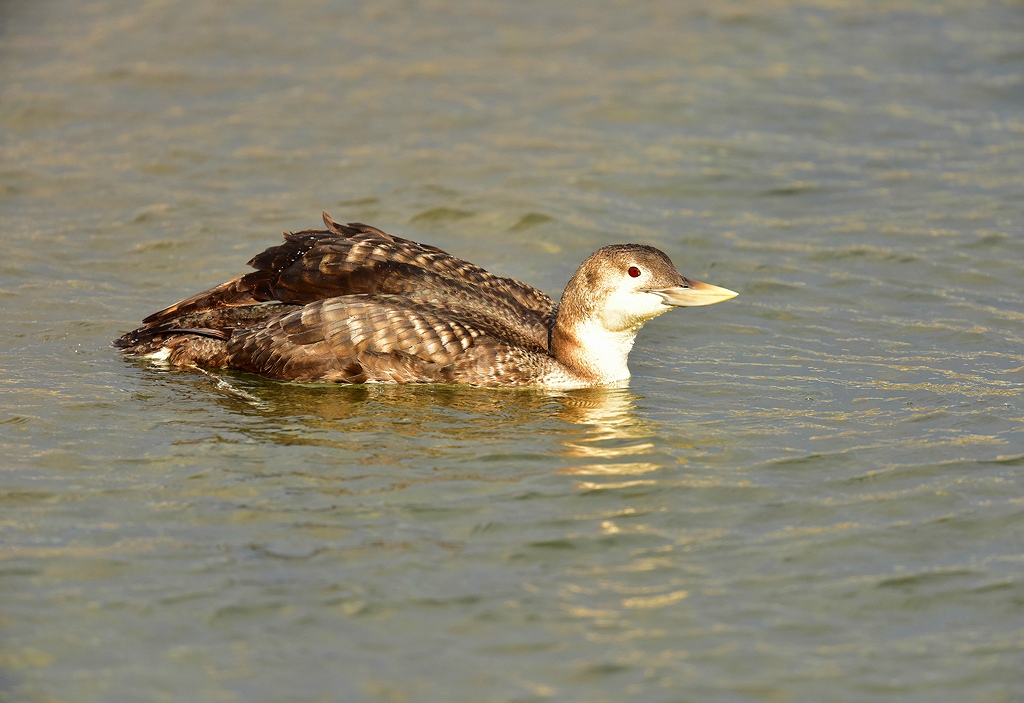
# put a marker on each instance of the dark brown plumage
(353, 304)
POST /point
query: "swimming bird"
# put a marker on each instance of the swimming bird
(353, 304)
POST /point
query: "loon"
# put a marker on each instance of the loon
(352, 304)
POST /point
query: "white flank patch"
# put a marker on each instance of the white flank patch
(161, 354)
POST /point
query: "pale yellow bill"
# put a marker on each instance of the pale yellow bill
(694, 294)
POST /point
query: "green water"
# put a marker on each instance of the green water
(813, 492)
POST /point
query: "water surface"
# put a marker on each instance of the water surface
(812, 492)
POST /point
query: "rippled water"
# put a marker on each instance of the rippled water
(810, 493)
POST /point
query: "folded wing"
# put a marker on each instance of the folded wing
(358, 259)
(365, 338)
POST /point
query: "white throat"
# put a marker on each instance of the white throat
(598, 344)
(604, 352)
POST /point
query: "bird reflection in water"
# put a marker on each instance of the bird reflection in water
(606, 416)
(617, 447)
(597, 432)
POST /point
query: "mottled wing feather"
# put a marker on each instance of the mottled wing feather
(331, 263)
(215, 322)
(359, 259)
(379, 338)
(505, 365)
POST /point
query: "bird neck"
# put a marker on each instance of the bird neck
(581, 341)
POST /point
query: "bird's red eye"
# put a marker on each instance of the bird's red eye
(634, 272)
